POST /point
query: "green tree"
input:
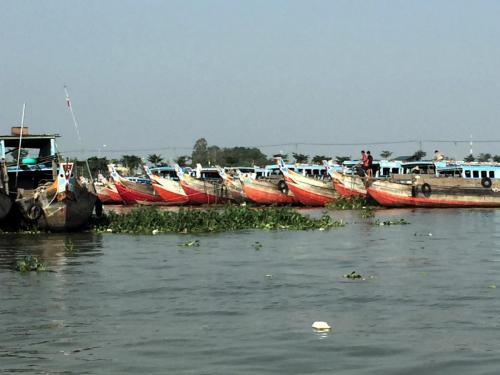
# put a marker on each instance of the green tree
(318, 159)
(340, 159)
(200, 152)
(214, 155)
(155, 159)
(132, 162)
(484, 157)
(469, 158)
(418, 155)
(182, 160)
(385, 154)
(242, 156)
(96, 165)
(496, 158)
(300, 158)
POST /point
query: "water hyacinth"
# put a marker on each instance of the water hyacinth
(351, 203)
(30, 263)
(229, 218)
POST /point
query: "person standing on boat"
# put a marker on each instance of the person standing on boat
(364, 160)
(437, 156)
(369, 164)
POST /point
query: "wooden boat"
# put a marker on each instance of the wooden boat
(201, 190)
(456, 190)
(106, 191)
(308, 190)
(133, 192)
(232, 189)
(349, 185)
(266, 191)
(64, 204)
(169, 189)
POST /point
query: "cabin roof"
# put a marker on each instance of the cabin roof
(28, 141)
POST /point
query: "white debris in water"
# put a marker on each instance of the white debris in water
(155, 231)
(109, 230)
(430, 234)
(269, 276)
(321, 326)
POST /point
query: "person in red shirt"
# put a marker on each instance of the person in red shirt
(364, 160)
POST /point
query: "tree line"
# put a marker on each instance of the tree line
(211, 155)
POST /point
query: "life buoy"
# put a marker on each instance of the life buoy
(486, 182)
(426, 190)
(283, 187)
(98, 207)
(34, 212)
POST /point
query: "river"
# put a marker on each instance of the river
(122, 304)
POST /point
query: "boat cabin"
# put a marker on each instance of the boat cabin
(37, 162)
(471, 171)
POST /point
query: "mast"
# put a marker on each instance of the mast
(20, 141)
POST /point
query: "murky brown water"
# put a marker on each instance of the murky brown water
(142, 304)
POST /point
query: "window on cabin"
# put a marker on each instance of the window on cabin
(475, 174)
(483, 174)
(467, 174)
(491, 174)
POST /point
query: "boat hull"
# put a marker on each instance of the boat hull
(312, 195)
(309, 191)
(349, 186)
(201, 192)
(108, 194)
(435, 192)
(49, 210)
(133, 192)
(266, 192)
(169, 190)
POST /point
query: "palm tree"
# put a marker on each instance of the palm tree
(132, 162)
(155, 159)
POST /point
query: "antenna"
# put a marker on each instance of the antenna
(75, 123)
(20, 141)
(70, 107)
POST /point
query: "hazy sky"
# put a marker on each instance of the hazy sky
(153, 75)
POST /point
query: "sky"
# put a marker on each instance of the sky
(154, 76)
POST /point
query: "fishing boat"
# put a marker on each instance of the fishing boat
(133, 192)
(232, 188)
(168, 188)
(309, 191)
(106, 191)
(205, 187)
(461, 185)
(64, 204)
(266, 186)
(46, 193)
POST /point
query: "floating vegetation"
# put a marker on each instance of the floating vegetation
(257, 245)
(353, 275)
(367, 212)
(69, 247)
(194, 243)
(30, 263)
(350, 203)
(391, 222)
(146, 219)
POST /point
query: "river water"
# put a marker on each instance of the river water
(120, 304)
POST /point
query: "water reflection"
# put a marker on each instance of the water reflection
(50, 248)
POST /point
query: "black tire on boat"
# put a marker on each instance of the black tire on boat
(486, 182)
(34, 212)
(426, 190)
(283, 187)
